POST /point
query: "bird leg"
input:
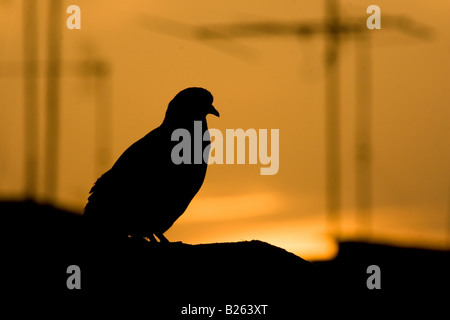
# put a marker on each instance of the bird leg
(152, 238)
(161, 238)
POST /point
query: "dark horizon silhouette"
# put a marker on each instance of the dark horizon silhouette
(42, 241)
(145, 192)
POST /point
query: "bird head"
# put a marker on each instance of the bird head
(190, 104)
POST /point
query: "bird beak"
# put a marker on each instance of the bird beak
(214, 111)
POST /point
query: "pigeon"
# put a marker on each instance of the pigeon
(146, 191)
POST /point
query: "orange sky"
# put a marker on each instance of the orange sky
(265, 83)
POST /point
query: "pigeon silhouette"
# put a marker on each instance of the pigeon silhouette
(146, 191)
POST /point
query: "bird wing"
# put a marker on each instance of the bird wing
(140, 175)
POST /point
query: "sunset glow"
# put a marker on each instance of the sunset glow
(259, 82)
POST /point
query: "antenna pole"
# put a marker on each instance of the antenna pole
(332, 119)
(363, 133)
(30, 51)
(52, 100)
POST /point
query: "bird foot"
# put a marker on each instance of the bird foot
(176, 244)
(170, 244)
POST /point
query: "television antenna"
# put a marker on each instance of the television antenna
(333, 28)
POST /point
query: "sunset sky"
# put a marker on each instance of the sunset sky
(275, 82)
